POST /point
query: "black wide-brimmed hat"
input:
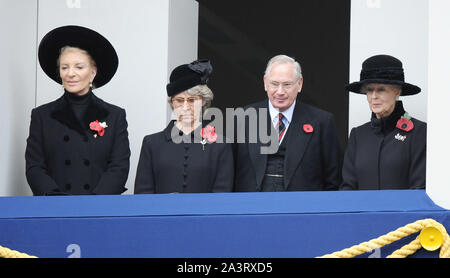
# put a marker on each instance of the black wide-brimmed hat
(98, 47)
(383, 69)
(187, 76)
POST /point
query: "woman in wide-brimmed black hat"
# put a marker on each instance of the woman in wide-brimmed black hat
(187, 156)
(78, 144)
(389, 152)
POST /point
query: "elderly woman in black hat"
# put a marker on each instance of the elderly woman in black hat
(78, 144)
(187, 156)
(389, 152)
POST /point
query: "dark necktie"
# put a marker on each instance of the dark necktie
(281, 127)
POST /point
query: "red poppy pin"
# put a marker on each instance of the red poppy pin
(99, 127)
(405, 123)
(308, 128)
(208, 134)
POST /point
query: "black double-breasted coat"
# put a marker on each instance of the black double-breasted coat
(183, 165)
(63, 156)
(381, 156)
(312, 161)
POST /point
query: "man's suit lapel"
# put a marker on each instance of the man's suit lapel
(258, 159)
(297, 142)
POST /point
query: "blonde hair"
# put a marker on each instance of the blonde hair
(68, 48)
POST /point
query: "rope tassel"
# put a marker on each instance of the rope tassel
(398, 234)
(11, 254)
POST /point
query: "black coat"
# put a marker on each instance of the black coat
(63, 157)
(313, 160)
(381, 156)
(169, 167)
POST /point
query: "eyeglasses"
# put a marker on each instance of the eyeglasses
(179, 101)
(285, 86)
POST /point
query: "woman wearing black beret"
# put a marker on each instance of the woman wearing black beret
(187, 156)
(78, 144)
(389, 152)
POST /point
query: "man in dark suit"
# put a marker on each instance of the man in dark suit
(307, 156)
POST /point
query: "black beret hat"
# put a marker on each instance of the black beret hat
(187, 76)
(383, 69)
(98, 47)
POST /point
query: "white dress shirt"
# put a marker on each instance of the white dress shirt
(287, 116)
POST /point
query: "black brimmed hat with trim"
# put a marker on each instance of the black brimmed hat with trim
(383, 69)
(188, 76)
(98, 47)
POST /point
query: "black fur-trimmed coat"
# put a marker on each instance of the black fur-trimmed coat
(63, 155)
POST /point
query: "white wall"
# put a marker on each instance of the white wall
(398, 28)
(140, 32)
(17, 90)
(438, 147)
(183, 36)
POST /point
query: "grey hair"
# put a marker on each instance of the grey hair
(200, 90)
(283, 59)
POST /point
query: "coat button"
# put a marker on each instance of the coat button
(66, 138)
(68, 186)
(67, 162)
(87, 162)
(87, 187)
